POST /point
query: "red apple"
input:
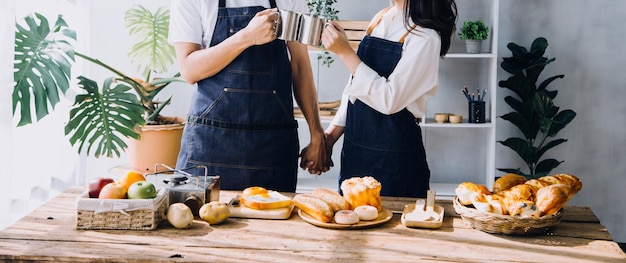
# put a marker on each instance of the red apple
(96, 184)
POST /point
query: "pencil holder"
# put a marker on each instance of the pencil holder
(476, 112)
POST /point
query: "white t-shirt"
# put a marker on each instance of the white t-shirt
(414, 80)
(193, 21)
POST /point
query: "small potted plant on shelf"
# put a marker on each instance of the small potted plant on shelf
(474, 32)
(324, 8)
(535, 114)
(102, 117)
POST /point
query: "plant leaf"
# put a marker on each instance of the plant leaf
(151, 50)
(560, 121)
(42, 65)
(102, 118)
(547, 147)
(544, 167)
(521, 147)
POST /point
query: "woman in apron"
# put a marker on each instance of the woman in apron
(393, 73)
(240, 123)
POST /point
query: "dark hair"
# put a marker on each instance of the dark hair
(439, 15)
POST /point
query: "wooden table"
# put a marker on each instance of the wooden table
(49, 234)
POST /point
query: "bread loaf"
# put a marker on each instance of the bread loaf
(360, 191)
(566, 179)
(332, 197)
(538, 184)
(315, 207)
(552, 198)
(466, 189)
(507, 181)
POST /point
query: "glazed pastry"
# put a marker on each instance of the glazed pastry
(538, 184)
(524, 209)
(360, 191)
(507, 181)
(366, 212)
(552, 198)
(466, 189)
(566, 179)
(346, 217)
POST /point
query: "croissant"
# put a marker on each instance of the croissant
(552, 198)
(466, 189)
(507, 181)
(566, 179)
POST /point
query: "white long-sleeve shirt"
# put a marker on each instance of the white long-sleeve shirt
(414, 80)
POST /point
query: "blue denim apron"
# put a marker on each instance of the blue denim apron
(387, 147)
(241, 124)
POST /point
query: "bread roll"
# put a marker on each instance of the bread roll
(507, 181)
(521, 192)
(346, 217)
(254, 190)
(466, 189)
(332, 197)
(263, 201)
(552, 198)
(523, 209)
(360, 191)
(566, 179)
(315, 207)
(538, 184)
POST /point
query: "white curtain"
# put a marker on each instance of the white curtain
(7, 22)
(36, 161)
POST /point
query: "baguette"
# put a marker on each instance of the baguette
(333, 198)
(315, 207)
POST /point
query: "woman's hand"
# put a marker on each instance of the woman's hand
(262, 27)
(334, 38)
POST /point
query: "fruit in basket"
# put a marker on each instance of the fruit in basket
(113, 191)
(130, 178)
(214, 212)
(179, 215)
(96, 184)
(142, 190)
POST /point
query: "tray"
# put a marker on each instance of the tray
(422, 224)
(242, 211)
(120, 214)
(383, 217)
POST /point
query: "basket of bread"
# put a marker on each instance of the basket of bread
(360, 205)
(516, 206)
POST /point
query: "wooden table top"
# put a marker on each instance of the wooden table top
(49, 234)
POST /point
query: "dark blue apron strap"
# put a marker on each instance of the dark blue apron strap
(273, 3)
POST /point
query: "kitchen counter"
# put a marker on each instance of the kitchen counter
(49, 234)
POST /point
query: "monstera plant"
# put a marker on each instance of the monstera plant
(535, 114)
(102, 116)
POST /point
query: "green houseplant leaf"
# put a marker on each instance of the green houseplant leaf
(535, 113)
(151, 51)
(474, 30)
(43, 60)
(100, 116)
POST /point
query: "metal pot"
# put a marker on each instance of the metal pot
(293, 26)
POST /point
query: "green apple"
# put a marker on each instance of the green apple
(142, 190)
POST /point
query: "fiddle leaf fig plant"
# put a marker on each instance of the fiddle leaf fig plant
(535, 113)
(101, 116)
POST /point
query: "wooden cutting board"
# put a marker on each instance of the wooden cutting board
(246, 212)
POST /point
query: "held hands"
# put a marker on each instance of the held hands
(317, 163)
(262, 27)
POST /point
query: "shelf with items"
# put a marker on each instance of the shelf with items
(465, 151)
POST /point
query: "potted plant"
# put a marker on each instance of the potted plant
(324, 8)
(535, 113)
(103, 116)
(474, 32)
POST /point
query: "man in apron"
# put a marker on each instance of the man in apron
(241, 123)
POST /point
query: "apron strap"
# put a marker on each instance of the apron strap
(377, 21)
(223, 3)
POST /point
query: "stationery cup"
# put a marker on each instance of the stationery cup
(476, 112)
(293, 26)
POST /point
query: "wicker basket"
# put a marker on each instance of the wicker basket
(505, 224)
(120, 214)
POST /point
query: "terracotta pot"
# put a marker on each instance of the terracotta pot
(159, 144)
